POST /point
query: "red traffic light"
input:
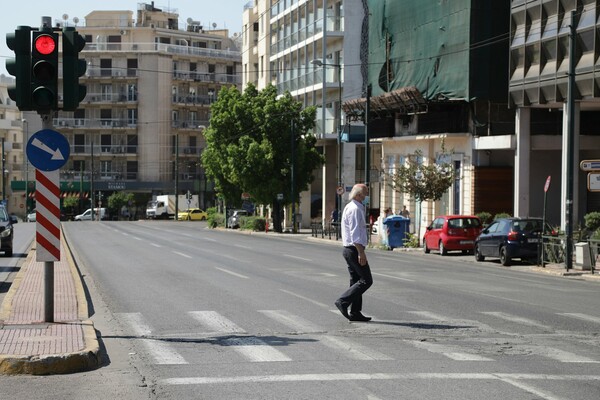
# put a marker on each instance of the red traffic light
(45, 44)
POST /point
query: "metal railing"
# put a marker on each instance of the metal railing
(330, 229)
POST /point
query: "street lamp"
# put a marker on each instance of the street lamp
(320, 63)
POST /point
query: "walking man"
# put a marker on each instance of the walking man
(354, 239)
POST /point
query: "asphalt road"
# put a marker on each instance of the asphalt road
(188, 312)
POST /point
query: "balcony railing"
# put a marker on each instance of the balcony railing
(109, 98)
(163, 48)
(194, 99)
(195, 124)
(104, 149)
(334, 24)
(207, 77)
(95, 123)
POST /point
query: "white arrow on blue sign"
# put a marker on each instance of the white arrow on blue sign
(48, 150)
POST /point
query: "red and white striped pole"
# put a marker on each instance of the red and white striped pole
(48, 215)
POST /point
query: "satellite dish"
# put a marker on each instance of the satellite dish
(214, 25)
(65, 16)
(75, 19)
(189, 21)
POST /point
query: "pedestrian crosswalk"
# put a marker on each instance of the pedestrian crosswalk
(476, 343)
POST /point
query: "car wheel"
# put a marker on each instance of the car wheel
(478, 255)
(188, 218)
(504, 259)
(425, 248)
(443, 250)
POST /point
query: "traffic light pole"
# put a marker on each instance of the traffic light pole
(48, 265)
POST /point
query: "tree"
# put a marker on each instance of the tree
(424, 181)
(117, 200)
(249, 147)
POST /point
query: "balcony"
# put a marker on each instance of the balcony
(195, 124)
(85, 123)
(163, 48)
(209, 77)
(194, 99)
(100, 149)
(96, 72)
(111, 98)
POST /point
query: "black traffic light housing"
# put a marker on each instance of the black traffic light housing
(73, 68)
(20, 66)
(44, 70)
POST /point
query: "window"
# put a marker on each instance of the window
(79, 165)
(132, 66)
(105, 67)
(132, 167)
(105, 169)
(79, 143)
(105, 143)
(131, 92)
(106, 117)
(106, 92)
(132, 116)
(132, 143)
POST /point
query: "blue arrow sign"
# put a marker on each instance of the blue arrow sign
(48, 150)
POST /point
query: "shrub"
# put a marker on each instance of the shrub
(592, 221)
(256, 224)
(411, 240)
(502, 215)
(214, 218)
(485, 217)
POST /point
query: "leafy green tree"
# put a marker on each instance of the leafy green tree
(117, 200)
(249, 147)
(424, 182)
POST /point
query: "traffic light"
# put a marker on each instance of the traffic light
(20, 43)
(44, 70)
(73, 68)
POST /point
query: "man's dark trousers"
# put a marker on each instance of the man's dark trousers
(360, 280)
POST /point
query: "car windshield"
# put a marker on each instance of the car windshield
(527, 225)
(464, 223)
(3, 215)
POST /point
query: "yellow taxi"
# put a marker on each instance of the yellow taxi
(192, 214)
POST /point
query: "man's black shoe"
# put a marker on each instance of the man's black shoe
(358, 317)
(343, 309)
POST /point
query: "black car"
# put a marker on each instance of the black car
(510, 238)
(6, 232)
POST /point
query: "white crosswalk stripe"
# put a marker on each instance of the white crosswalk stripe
(161, 352)
(518, 320)
(350, 348)
(252, 348)
(447, 351)
(583, 317)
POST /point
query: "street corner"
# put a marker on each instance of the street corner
(84, 358)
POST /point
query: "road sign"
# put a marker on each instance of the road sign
(48, 215)
(590, 165)
(594, 181)
(48, 150)
(340, 190)
(547, 185)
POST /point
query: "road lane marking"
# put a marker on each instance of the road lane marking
(349, 348)
(250, 347)
(304, 298)
(215, 321)
(242, 246)
(376, 376)
(519, 320)
(530, 389)
(182, 254)
(256, 350)
(160, 352)
(584, 317)
(232, 273)
(444, 350)
(297, 258)
(429, 315)
(563, 356)
(393, 277)
(155, 245)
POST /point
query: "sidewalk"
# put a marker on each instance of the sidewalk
(28, 345)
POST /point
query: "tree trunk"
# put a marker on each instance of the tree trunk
(276, 215)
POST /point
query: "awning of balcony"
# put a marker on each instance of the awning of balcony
(403, 101)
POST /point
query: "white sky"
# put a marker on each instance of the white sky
(225, 13)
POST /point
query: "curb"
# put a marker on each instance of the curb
(79, 361)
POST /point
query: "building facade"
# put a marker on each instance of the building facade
(302, 46)
(150, 84)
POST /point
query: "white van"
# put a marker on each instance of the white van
(87, 215)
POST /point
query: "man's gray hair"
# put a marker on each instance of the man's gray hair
(357, 189)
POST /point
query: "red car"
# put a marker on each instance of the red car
(452, 232)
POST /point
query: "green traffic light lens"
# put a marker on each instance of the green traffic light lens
(43, 70)
(43, 97)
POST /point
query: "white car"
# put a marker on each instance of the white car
(31, 216)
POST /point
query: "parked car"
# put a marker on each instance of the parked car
(31, 217)
(192, 214)
(6, 232)
(234, 220)
(510, 238)
(87, 215)
(452, 232)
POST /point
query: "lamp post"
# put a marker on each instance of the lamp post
(320, 63)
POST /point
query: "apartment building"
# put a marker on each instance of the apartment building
(306, 47)
(538, 89)
(150, 83)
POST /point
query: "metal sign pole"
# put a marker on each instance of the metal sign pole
(48, 265)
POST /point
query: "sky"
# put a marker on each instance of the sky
(224, 13)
